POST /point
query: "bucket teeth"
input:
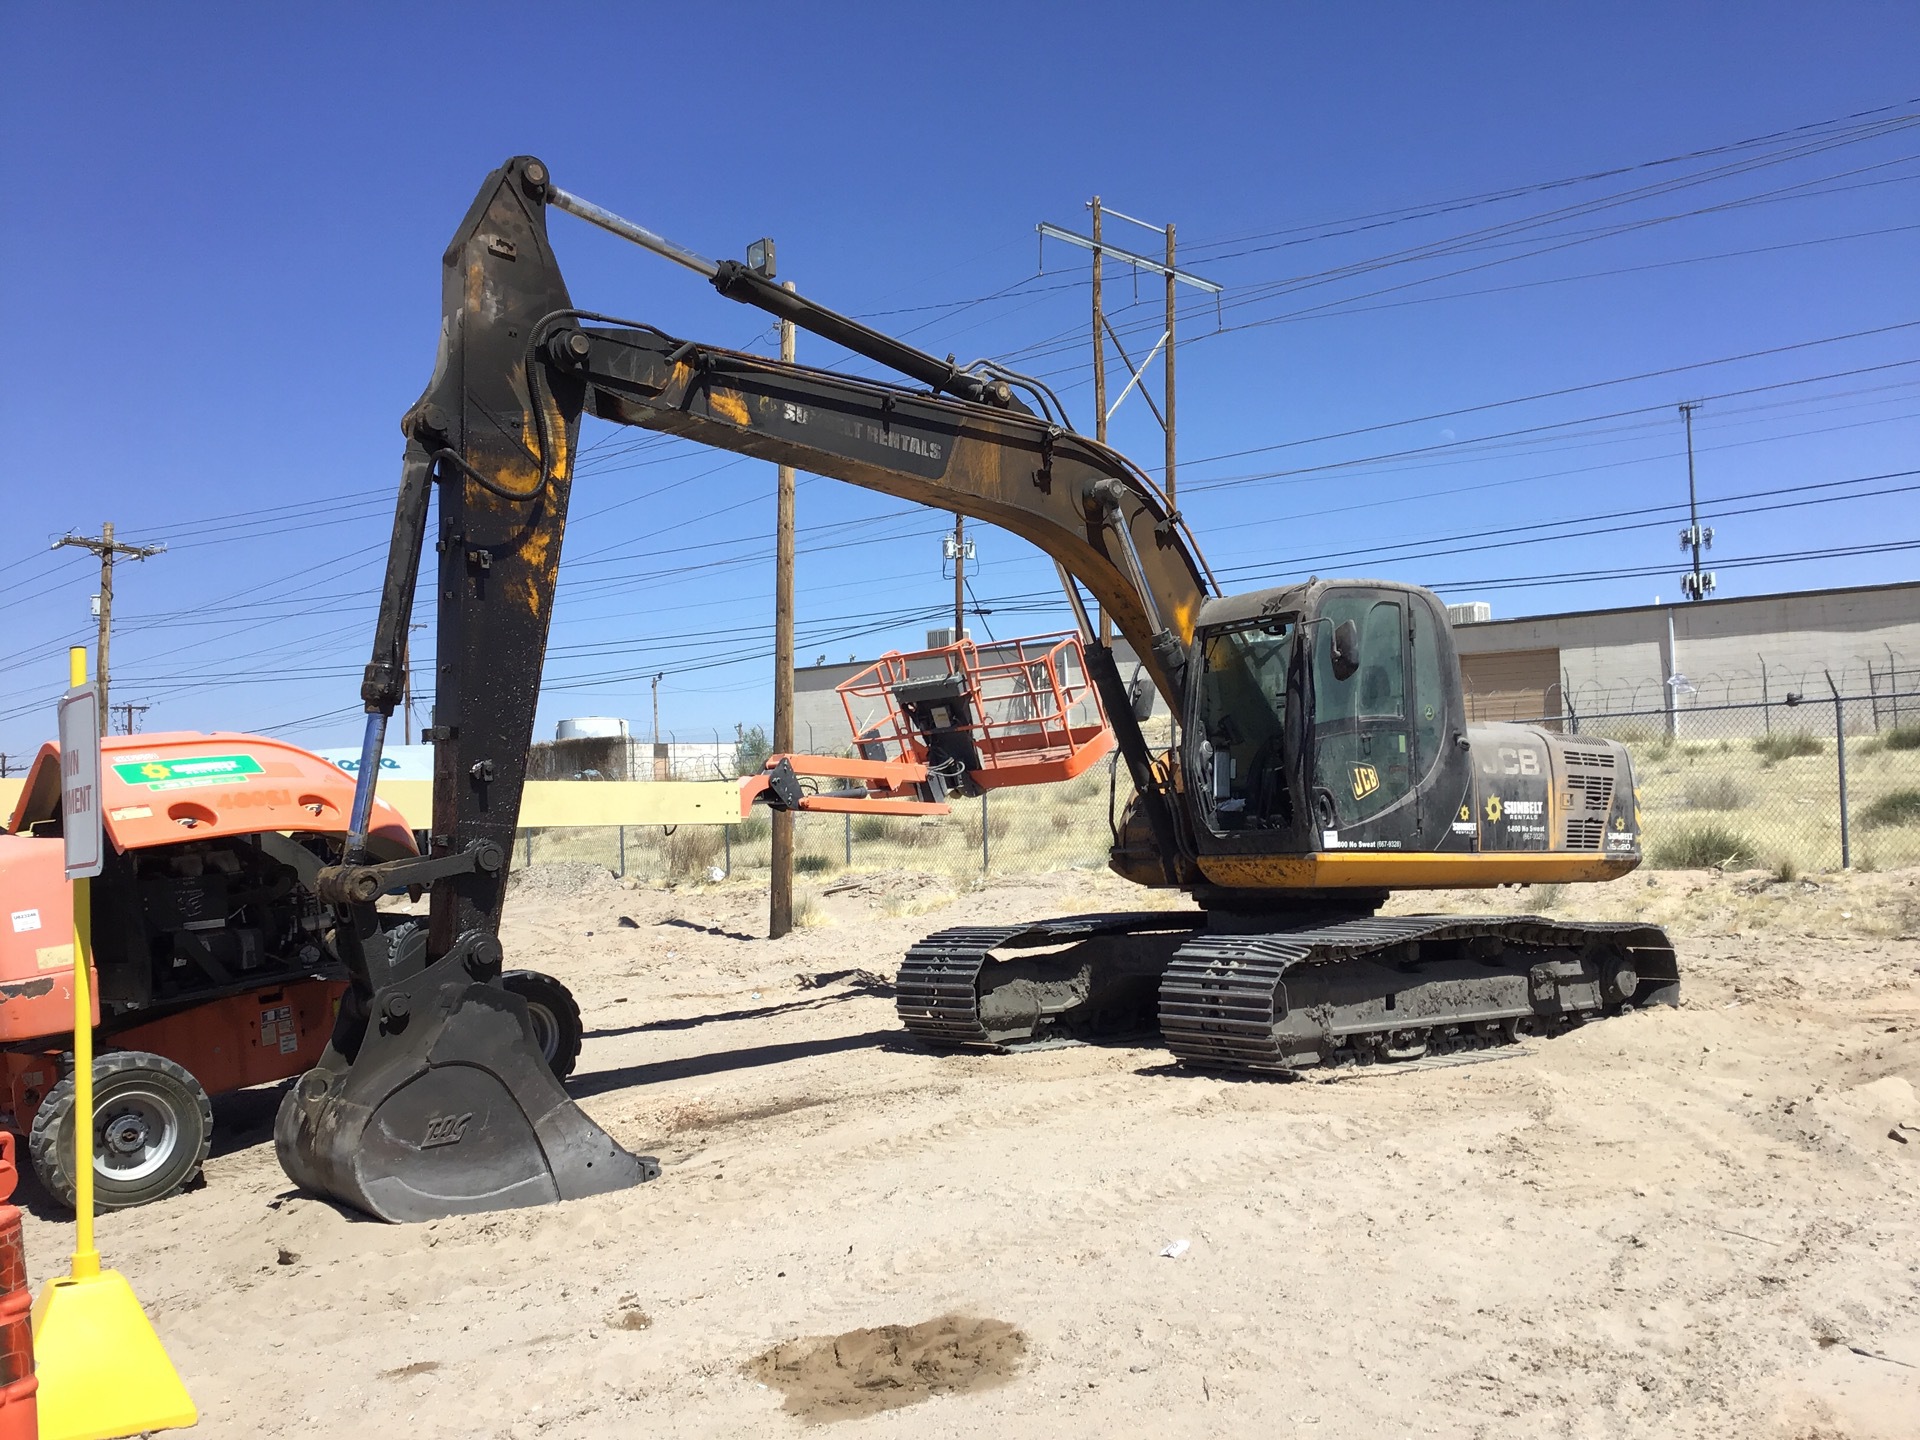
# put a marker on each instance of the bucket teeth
(444, 1106)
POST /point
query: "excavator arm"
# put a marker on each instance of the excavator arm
(496, 431)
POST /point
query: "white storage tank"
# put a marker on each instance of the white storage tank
(591, 727)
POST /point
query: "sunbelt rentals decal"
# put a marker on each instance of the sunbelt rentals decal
(183, 774)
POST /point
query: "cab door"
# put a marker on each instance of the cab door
(1364, 763)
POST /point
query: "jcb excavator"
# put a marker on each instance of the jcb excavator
(1320, 758)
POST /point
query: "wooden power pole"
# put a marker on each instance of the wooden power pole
(107, 548)
(1171, 282)
(959, 578)
(1099, 345)
(780, 885)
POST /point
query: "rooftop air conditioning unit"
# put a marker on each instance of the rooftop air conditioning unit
(1474, 612)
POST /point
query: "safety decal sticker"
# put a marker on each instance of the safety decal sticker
(277, 1028)
(181, 774)
(24, 920)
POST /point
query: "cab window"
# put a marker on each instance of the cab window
(1362, 758)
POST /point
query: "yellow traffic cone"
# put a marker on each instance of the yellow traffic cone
(103, 1372)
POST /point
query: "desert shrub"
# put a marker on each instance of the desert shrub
(813, 863)
(1633, 732)
(919, 834)
(1545, 897)
(1786, 869)
(1715, 792)
(1785, 746)
(754, 828)
(871, 827)
(1658, 751)
(1902, 737)
(1709, 846)
(807, 914)
(693, 850)
(999, 821)
(1896, 807)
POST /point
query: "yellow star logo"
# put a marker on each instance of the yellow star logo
(154, 772)
(1466, 813)
(1493, 809)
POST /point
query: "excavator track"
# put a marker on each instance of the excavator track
(1402, 989)
(1032, 999)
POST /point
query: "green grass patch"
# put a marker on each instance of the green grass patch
(1903, 737)
(1787, 746)
(1896, 807)
(1709, 846)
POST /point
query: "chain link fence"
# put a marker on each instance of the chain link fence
(1812, 783)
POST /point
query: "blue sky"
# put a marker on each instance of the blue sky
(224, 224)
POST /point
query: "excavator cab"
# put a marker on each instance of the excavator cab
(1327, 717)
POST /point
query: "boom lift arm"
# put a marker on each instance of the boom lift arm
(497, 429)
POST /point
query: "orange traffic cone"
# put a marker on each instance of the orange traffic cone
(19, 1411)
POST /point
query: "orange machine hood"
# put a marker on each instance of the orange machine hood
(164, 788)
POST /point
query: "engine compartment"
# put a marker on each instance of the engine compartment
(204, 918)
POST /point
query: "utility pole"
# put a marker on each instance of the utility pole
(780, 878)
(407, 731)
(1103, 333)
(661, 766)
(1171, 282)
(107, 548)
(959, 578)
(1696, 584)
(128, 711)
(5, 762)
(1099, 345)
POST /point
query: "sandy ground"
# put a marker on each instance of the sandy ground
(1684, 1223)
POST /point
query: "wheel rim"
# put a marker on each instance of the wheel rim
(546, 1030)
(135, 1134)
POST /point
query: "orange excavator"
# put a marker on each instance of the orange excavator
(1320, 755)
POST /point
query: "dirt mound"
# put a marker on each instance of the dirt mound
(842, 1377)
(561, 877)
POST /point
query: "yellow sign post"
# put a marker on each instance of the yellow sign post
(103, 1372)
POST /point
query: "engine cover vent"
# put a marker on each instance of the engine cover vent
(1585, 834)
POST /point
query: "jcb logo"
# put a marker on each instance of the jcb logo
(445, 1130)
(1512, 760)
(1366, 780)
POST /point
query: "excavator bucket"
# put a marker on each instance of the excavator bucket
(435, 1100)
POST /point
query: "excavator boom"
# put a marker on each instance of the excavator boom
(380, 1123)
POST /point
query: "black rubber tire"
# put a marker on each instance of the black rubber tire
(556, 1017)
(142, 1092)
